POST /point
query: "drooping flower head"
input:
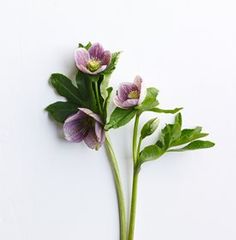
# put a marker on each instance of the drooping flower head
(128, 94)
(85, 125)
(92, 61)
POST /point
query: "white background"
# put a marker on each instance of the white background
(51, 189)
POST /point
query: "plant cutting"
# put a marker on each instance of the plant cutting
(84, 117)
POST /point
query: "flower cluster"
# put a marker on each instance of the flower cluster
(85, 116)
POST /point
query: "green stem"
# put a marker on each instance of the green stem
(133, 204)
(119, 191)
(135, 134)
(136, 149)
(98, 98)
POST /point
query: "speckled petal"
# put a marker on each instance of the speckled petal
(81, 57)
(138, 82)
(75, 128)
(106, 58)
(91, 140)
(96, 51)
(91, 114)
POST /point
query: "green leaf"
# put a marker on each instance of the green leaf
(188, 135)
(87, 46)
(107, 100)
(195, 145)
(170, 133)
(104, 85)
(149, 127)
(150, 153)
(65, 88)
(159, 110)
(111, 67)
(61, 110)
(150, 100)
(120, 117)
(86, 91)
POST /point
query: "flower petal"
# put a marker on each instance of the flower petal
(138, 82)
(89, 113)
(100, 133)
(75, 127)
(81, 56)
(106, 58)
(96, 51)
(130, 103)
(91, 140)
(125, 89)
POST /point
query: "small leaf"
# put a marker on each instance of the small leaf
(111, 67)
(104, 85)
(107, 100)
(87, 46)
(195, 145)
(65, 88)
(150, 100)
(159, 110)
(120, 117)
(150, 153)
(188, 135)
(60, 111)
(149, 127)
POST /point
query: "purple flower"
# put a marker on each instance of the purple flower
(128, 94)
(85, 125)
(92, 61)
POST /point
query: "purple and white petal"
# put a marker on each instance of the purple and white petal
(91, 114)
(100, 133)
(75, 128)
(102, 68)
(106, 58)
(81, 56)
(96, 51)
(125, 89)
(84, 69)
(138, 82)
(91, 140)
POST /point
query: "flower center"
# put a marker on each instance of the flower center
(93, 65)
(133, 94)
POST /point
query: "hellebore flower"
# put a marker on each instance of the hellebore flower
(92, 61)
(128, 94)
(85, 125)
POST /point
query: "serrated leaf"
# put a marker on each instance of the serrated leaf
(111, 67)
(150, 100)
(195, 145)
(188, 135)
(61, 110)
(150, 153)
(171, 111)
(149, 127)
(65, 88)
(120, 117)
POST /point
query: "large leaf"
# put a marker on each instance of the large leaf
(150, 153)
(195, 145)
(149, 127)
(188, 135)
(61, 110)
(86, 91)
(65, 88)
(150, 100)
(120, 117)
(171, 111)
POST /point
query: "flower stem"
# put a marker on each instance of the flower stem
(133, 204)
(135, 134)
(119, 191)
(136, 148)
